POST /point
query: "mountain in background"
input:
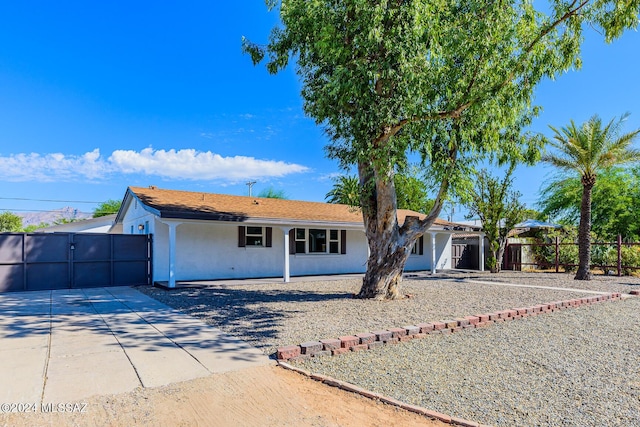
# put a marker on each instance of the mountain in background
(50, 217)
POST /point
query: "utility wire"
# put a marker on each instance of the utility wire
(43, 210)
(48, 200)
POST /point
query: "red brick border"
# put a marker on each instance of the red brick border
(370, 340)
(374, 339)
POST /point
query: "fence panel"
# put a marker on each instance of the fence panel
(39, 261)
(608, 261)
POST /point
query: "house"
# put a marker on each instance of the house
(102, 224)
(204, 236)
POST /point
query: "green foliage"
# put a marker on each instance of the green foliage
(499, 209)
(529, 213)
(63, 220)
(10, 222)
(411, 191)
(449, 81)
(31, 228)
(592, 147)
(630, 258)
(271, 193)
(603, 256)
(109, 207)
(346, 190)
(586, 151)
(568, 257)
(385, 77)
(615, 202)
(568, 249)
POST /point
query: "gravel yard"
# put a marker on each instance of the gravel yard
(575, 367)
(269, 315)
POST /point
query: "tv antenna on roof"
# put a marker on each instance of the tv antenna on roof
(250, 184)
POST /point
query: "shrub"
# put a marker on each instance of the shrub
(630, 258)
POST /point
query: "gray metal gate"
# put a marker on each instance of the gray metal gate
(39, 261)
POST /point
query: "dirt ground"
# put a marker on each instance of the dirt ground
(262, 396)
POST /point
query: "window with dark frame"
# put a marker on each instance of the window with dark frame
(418, 246)
(254, 236)
(317, 240)
(334, 242)
(301, 240)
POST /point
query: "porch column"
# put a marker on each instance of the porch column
(481, 251)
(433, 253)
(172, 252)
(286, 273)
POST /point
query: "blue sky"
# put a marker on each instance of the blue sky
(98, 96)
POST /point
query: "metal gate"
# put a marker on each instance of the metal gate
(41, 261)
(464, 256)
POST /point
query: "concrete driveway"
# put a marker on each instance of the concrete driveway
(63, 346)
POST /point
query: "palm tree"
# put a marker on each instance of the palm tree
(346, 190)
(587, 150)
(411, 191)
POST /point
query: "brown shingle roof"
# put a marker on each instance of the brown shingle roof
(223, 207)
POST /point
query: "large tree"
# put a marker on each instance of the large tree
(498, 207)
(587, 150)
(447, 80)
(615, 202)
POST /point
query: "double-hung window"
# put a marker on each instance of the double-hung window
(252, 236)
(301, 241)
(334, 242)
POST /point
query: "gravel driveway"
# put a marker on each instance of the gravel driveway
(575, 367)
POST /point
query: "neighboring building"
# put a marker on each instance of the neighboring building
(519, 251)
(102, 224)
(204, 236)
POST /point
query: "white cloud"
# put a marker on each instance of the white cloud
(186, 164)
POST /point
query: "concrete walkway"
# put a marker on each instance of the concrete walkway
(65, 345)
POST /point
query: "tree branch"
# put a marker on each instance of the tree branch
(454, 113)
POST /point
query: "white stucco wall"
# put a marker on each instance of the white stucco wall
(207, 250)
(136, 216)
(443, 251)
(418, 262)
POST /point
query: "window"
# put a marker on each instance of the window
(418, 247)
(317, 240)
(334, 242)
(254, 236)
(301, 241)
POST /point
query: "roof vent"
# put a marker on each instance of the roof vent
(255, 202)
(153, 187)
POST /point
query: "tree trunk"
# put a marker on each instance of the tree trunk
(389, 244)
(584, 231)
(500, 254)
(384, 273)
